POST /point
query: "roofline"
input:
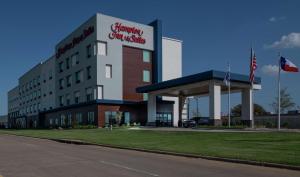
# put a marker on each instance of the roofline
(172, 39)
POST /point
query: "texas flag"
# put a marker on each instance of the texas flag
(287, 65)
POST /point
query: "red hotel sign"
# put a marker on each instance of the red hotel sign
(126, 33)
(76, 40)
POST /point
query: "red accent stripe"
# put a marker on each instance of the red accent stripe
(290, 69)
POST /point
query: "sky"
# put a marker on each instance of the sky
(213, 34)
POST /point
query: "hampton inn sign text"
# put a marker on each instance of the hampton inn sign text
(126, 33)
(76, 40)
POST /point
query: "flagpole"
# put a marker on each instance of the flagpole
(229, 84)
(279, 95)
(252, 106)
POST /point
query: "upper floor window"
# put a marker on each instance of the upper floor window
(68, 99)
(88, 72)
(89, 94)
(69, 80)
(60, 66)
(77, 96)
(99, 92)
(68, 63)
(75, 59)
(61, 83)
(38, 80)
(101, 48)
(108, 71)
(146, 56)
(146, 76)
(79, 76)
(50, 74)
(88, 51)
(61, 100)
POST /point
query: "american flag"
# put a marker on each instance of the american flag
(253, 66)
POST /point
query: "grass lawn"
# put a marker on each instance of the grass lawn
(276, 147)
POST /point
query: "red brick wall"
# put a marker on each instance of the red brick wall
(133, 67)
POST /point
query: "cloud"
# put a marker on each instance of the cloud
(272, 19)
(291, 40)
(276, 19)
(271, 70)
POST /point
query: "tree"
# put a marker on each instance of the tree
(258, 110)
(286, 102)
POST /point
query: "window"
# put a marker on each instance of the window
(34, 82)
(74, 59)
(50, 121)
(77, 96)
(69, 119)
(62, 120)
(110, 117)
(50, 74)
(145, 96)
(68, 99)
(146, 76)
(60, 66)
(88, 51)
(34, 94)
(61, 83)
(69, 80)
(146, 56)
(31, 84)
(39, 106)
(88, 72)
(68, 63)
(108, 71)
(91, 117)
(38, 80)
(100, 92)
(61, 100)
(79, 76)
(101, 48)
(78, 117)
(89, 94)
(44, 77)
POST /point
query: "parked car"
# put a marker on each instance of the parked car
(189, 123)
(203, 122)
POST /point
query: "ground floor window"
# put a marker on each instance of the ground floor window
(78, 117)
(62, 120)
(110, 117)
(69, 119)
(164, 119)
(127, 118)
(91, 118)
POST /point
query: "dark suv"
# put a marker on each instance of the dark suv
(189, 123)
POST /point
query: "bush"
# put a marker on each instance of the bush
(270, 125)
(85, 126)
(285, 125)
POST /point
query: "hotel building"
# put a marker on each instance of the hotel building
(92, 77)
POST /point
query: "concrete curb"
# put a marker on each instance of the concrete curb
(247, 162)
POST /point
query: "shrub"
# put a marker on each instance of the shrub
(270, 125)
(85, 126)
(285, 125)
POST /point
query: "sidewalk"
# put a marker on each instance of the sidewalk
(248, 130)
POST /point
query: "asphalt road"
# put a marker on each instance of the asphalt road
(30, 157)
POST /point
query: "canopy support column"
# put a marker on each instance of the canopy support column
(215, 104)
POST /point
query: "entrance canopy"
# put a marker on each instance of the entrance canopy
(209, 83)
(198, 84)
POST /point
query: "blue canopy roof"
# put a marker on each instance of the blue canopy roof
(199, 77)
